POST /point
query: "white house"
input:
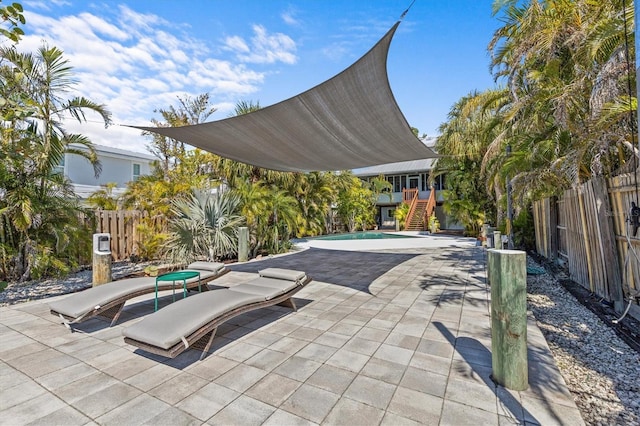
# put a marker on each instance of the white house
(118, 166)
(407, 175)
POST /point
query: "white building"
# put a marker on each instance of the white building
(118, 166)
(407, 175)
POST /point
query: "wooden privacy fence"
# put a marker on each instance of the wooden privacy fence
(586, 231)
(123, 225)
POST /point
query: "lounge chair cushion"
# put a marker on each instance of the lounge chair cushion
(282, 274)
(84, 301)
(267, 292)
(283, 285)
(169, 325)
(92, 298)
(206, 266)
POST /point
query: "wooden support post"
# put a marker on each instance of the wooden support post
(243, 244)
(484, 234)
(508, 271)
(497, 240)
(101, 267)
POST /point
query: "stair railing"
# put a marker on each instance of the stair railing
(410, 196)
(431, 205)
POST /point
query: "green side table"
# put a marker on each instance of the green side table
(177, 276)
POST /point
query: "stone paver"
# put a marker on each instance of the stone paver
(399, 337)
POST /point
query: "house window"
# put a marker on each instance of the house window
(396, 184)
(59, 169)
(425, 181)
(414, 182)
(136, 171)
(391, 213)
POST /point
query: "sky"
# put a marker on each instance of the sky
(139, 56)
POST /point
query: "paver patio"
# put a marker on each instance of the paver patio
(387, 338)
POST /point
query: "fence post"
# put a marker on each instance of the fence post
(243, 244)
(508, 272)
(497, 240)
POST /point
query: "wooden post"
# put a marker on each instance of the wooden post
(243, 244)
(508, 271)
(484, 234)
(101, 259)
(497, 240)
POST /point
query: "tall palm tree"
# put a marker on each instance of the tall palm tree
(565, 67)
(34, 141)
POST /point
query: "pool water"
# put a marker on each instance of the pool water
(361, 236)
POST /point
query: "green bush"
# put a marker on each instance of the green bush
(401, 214)
(524, 234)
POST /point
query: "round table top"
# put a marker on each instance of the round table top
(178, 275)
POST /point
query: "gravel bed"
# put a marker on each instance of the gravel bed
(601, 371)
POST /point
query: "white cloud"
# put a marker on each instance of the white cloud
(103, 27)
(289, 18)
(236, 43)
(137, 63)
(264, 48)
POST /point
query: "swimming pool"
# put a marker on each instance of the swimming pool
(361, 236)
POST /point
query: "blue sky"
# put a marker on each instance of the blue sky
(137, 56)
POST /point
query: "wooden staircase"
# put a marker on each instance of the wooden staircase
(419, 210)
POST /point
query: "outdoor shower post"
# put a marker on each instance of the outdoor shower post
(101, 259)
(508, 271)
(243, 244)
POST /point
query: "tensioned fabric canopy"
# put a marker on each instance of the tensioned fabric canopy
(351, 120)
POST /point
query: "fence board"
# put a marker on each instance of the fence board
(122, 225)
(591, 232)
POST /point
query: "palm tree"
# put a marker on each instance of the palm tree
(103, 198)
(565, 68)
(34, 142)
(204, 226)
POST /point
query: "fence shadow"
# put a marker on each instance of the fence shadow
(509, 403)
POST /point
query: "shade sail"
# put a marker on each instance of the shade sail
(351, 120)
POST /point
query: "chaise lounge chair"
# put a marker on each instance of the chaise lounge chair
(192, 322)
(107, 300)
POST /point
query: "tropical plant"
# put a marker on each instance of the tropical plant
(565, 110)
(434, 223)
(204, 226)
(354, 205)
(40, 217)
(13, 15)
(104, 199)
(401, 212)
(565, 68)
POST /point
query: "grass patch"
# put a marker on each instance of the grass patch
(3, 285)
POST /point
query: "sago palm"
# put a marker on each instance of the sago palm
(204, 226)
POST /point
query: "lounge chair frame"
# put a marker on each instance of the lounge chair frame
(112, 310)
(202, 338)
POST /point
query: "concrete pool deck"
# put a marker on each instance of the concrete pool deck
(416, 240)
(394, 336)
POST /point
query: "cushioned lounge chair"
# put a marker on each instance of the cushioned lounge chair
(107, 300)
(192, 322)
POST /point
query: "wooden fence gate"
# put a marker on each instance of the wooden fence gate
(586, 230)
(123, 227)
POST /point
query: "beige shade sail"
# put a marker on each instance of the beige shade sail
(351, 120)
